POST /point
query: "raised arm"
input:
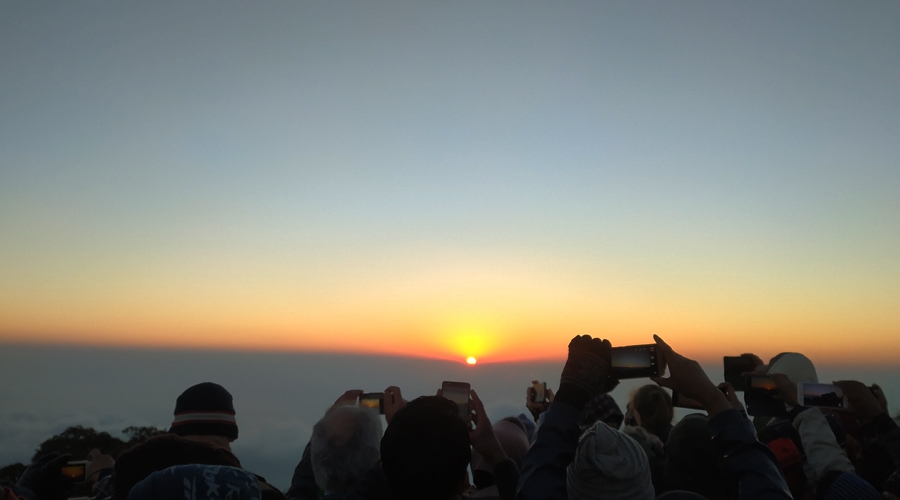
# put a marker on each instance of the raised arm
(749, 461)
(586, 374)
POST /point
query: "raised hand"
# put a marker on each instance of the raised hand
(688, 378)
(786, 389)
(862, 401)
(587, 371)
(44, 477)
(348, 398)
(537, 407)
(393, 402)
(730, 395)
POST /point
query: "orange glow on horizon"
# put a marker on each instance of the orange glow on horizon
(494, 308)
(522, 321)
(484, 347)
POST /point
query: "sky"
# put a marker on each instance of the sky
(443, 180)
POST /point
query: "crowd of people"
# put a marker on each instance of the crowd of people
(577, 444)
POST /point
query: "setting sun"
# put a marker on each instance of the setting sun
(470, 360)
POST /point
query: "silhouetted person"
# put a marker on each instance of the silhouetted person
(425, 451)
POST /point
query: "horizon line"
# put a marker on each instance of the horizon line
(482, 360)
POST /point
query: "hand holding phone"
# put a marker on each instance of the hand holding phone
(821, 395)
(393, 402)
(864, 401)
(680, 401)
(372, 400)
(74, 471)
(348, 398)
(687, 377)
(634, 361)
(763, 398)
(587, 368)
(730, 395)
(45, 474)
(736, 368)
(538, 392)
(458, 392)
(535, 404)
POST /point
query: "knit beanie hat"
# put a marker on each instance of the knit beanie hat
(609, 465)
(846, 486)
(205, 410)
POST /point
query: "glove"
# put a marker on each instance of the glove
(44, 477)
(586, 373)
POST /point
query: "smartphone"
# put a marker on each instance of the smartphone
(373, 400)
(760, 397)
(540, 392)
(74, 472)
(458, 392)
(634, 361)
(825, 395)
(735, 368)
(685, 402)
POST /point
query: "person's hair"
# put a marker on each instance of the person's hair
(655, 407)
(655, 450)
(343, 447)
(425, 450)
(161, 452)
(692, 462)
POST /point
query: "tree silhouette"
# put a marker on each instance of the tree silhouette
(12, 472)
(78, 441)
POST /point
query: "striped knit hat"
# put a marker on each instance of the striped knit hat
(205, 410)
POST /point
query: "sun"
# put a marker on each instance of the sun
(471, 360)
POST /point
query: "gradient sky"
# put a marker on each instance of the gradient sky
(452, 179)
